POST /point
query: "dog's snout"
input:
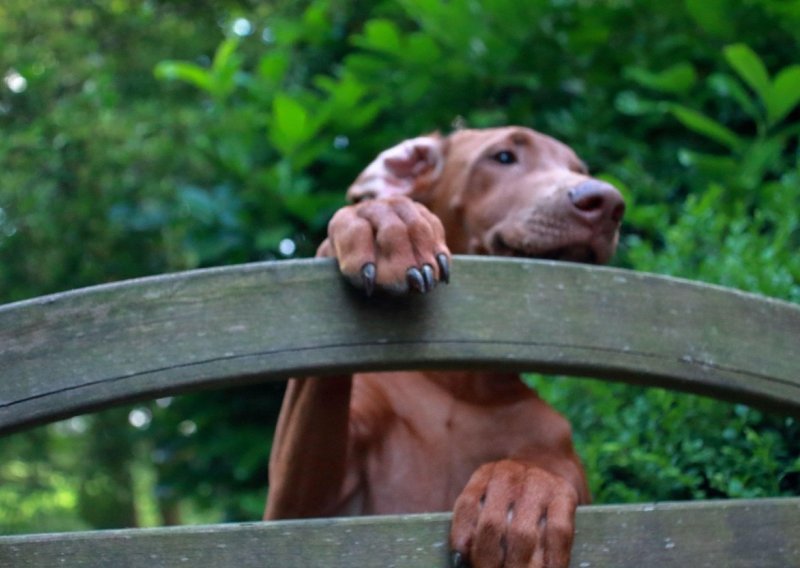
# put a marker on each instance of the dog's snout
(598, 200)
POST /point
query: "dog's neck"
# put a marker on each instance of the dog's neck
(480, 387)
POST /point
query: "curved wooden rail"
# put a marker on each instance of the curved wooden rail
(733, 534)
(72, 352)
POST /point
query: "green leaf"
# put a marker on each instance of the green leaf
(381, 35)
(365, 113)
(793, 129)
(711, 15)
(421, 50)
(706, 126)
(759, 159)
(750, 68)
(345, 93)
(187, 72)
(630, 103)
(316, 22)
(677, 79)
(290, 124)
(714, 166)
(729, 86)
(224, 56)
(273, 66)
(784, 95)
(224, 67)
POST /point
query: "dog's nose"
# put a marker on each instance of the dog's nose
(598, 200)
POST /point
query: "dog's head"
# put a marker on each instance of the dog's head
(503, 191)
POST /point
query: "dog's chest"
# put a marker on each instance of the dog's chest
(432, 441)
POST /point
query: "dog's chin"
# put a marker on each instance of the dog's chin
(576, 253)
(584, 253)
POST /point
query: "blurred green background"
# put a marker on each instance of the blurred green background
(142, 137)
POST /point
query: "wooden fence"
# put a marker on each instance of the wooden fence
(89, 349)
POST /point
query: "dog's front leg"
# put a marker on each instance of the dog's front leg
(309, 461)
(312, 448)
(393, 244)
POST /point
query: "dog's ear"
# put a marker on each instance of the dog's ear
(410, 169)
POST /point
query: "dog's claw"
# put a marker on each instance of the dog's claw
(457, 561)
(430, 277)
(444, 267)
(368, 277)
(415, 280)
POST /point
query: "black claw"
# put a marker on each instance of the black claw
(415, 280)
(368, 277)
(444, 267)
(430, 277)
(457, 561)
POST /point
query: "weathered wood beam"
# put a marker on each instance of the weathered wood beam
(734, 534)
(77, 351)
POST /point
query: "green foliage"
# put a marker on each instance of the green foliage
(149, 138)
(85, 136)
(38, 495)
(778, 97)
(740, 225)
(653, 443)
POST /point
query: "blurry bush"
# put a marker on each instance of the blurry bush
(246, 146)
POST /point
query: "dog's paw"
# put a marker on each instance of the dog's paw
(513, 515)
(392, 244)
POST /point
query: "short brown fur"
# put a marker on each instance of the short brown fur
(481, 444)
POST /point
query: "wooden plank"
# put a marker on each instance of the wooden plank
(733, 534)
(77, 351)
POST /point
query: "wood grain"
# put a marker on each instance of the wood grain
(733, 534)
(86, 349)
(73, 352)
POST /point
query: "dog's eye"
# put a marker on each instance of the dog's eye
(505, 157)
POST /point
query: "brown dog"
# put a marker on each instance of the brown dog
(482, 444)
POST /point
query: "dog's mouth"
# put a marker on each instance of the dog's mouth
(582, 253)
(576, 253)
